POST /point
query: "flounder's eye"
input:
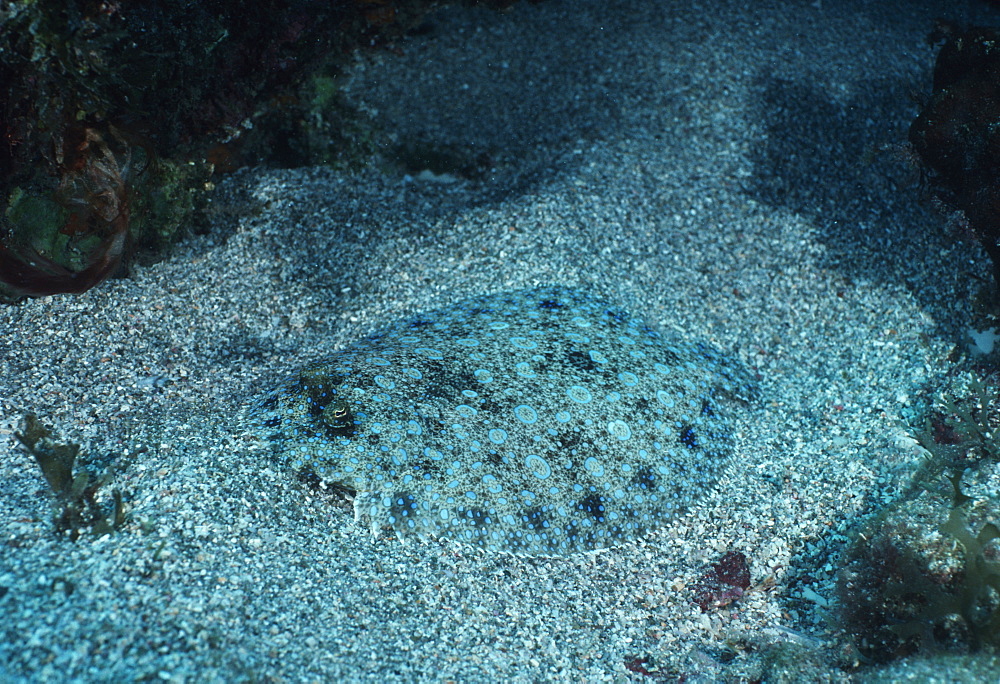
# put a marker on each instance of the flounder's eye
(339, 419)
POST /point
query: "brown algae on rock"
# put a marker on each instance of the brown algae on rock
(541, 423)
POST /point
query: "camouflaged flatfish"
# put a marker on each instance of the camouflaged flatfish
(540, 422)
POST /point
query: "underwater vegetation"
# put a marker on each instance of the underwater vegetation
(77, 507)
(82, 229)
(542, 422)
(114, 116)
(924, 574)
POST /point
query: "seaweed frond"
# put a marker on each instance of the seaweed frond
(924, 573)
(77, 507)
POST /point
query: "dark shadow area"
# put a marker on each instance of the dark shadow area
(504, 118)
(843, 166)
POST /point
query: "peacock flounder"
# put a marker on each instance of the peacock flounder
(540, 423)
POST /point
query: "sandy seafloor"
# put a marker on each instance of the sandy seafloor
(712, 166)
